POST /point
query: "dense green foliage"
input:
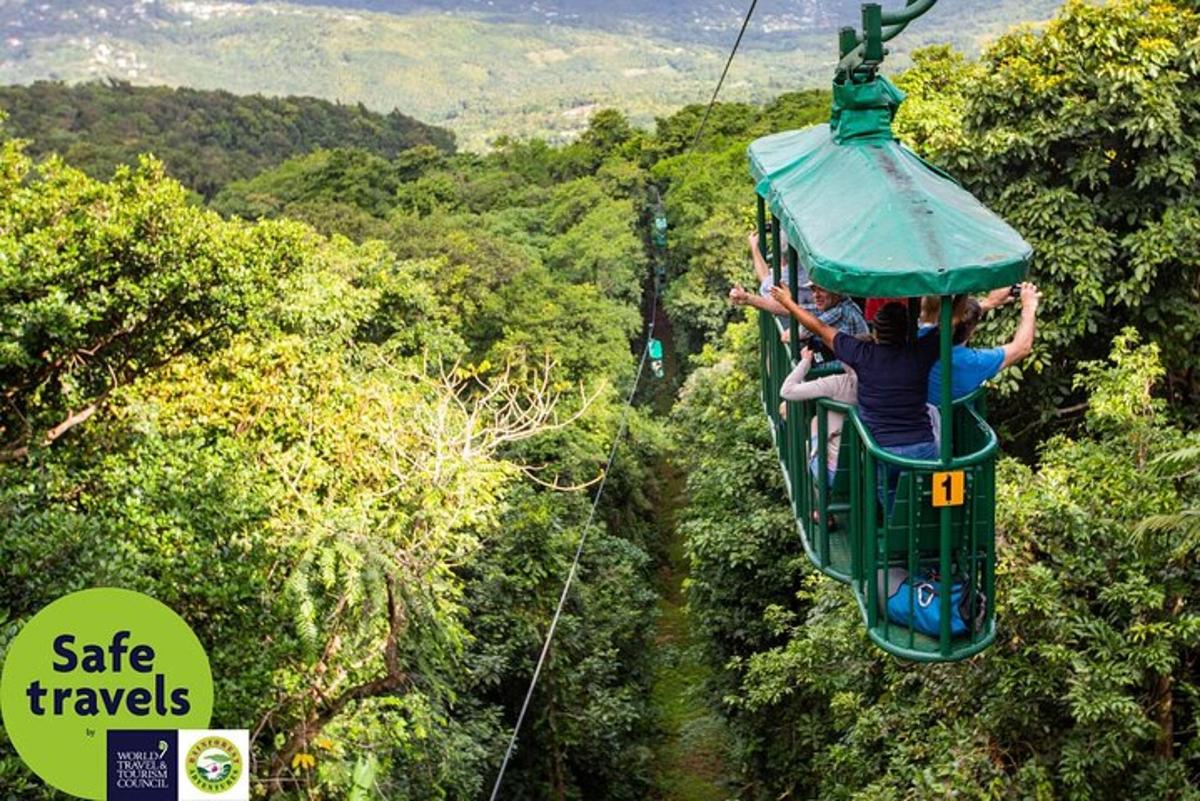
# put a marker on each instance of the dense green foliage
(343, 420)
(1084, 136)
(708, 244)
(349, 467)
(145, 278)
(1091, 691)
(205, 139)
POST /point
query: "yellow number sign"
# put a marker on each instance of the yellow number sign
(949, 488)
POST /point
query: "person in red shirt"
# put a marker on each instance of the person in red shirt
(873, 306)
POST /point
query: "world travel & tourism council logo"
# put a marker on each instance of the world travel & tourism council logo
(142, 765)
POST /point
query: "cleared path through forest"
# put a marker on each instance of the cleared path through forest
(691, 747)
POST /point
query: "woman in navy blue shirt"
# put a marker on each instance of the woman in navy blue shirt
(892, 381)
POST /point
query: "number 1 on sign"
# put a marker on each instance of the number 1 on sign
(948, 488)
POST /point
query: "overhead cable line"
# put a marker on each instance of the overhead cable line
(721, 82)
(562, 600)
(612, 455)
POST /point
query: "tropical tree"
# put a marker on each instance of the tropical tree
(102, 283)
(1083, 135)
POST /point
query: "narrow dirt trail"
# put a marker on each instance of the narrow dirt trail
(690, 752)
(690, 756)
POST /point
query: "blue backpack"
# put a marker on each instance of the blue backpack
(926, 617)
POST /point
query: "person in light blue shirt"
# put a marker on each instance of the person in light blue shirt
(972, 367)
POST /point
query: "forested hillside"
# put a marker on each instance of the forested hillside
(710, 21)
(348, 466)
(376, 453)
(347, 416)
(205, 139)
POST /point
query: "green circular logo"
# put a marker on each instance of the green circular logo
(97, 660)
(213, 764)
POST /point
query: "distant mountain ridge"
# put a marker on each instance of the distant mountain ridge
(25, 17)
(689, 14)
(206, 138)
(695, 19)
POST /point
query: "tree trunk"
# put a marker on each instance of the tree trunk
(1162, 696)
(326, 709)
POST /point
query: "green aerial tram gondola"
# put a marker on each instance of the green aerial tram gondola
(866, 217)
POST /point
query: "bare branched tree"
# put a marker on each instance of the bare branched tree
(441, 446)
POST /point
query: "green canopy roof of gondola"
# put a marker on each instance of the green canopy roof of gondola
(869, 217)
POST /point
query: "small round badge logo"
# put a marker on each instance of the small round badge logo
(213, 764)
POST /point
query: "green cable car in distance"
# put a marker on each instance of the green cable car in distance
(654, 349)
(659, 234)
(865, 216)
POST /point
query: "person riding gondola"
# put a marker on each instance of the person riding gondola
(892, 378)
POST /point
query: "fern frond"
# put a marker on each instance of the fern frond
(1179, 531)
(1180, 462)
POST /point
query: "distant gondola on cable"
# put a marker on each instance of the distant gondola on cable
(866, 217)
(659, 234)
